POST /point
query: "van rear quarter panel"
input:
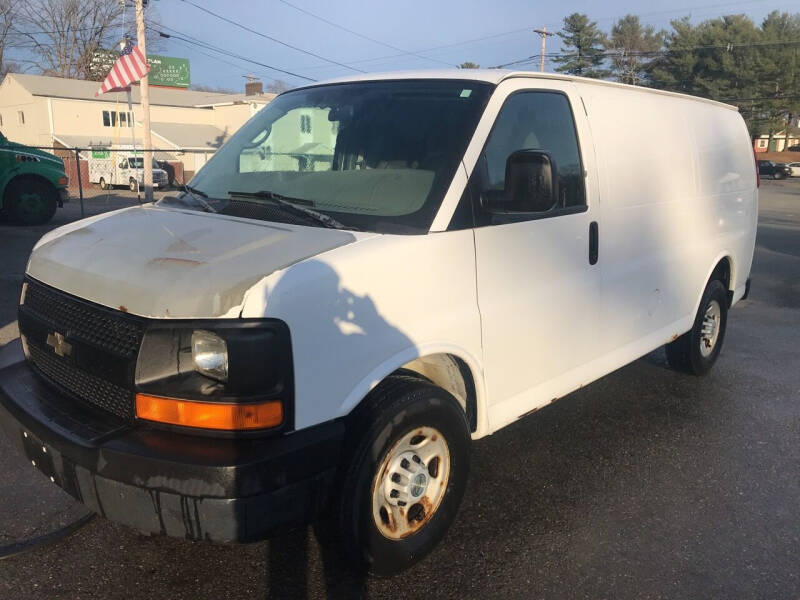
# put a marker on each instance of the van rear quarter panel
(359, 312)
(677, 194)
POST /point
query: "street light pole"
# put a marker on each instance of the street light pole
(144, 91)
(544, 33)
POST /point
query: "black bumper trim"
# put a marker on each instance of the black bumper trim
(164, 482)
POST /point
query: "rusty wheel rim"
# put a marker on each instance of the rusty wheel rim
(411, 482)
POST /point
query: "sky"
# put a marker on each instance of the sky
(411, 26)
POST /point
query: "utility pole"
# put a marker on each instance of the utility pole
(544, 33)
(144, 92)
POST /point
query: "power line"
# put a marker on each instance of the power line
(652, 53)
(690, 9)
(217, 58)
(444, 46)
(364, 37)
(228, 53)
(265, 36)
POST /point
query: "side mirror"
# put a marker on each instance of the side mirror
(531, 183)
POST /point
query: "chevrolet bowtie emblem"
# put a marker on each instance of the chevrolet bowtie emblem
(59, 344)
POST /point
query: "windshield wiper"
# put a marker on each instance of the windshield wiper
(292, 205)
(198, 196)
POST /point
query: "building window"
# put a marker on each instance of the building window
(21, 116)
(110, 118)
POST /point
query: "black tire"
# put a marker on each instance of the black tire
(684, 354)
(132, 184)
(30, 201)
(395, 408)
(103, 184)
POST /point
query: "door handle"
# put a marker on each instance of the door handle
(593, 242)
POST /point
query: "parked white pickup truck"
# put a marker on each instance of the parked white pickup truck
(370, 273)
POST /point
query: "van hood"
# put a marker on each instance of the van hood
(173, 263)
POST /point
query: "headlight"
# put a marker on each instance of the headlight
(223, 374)
(210, 355)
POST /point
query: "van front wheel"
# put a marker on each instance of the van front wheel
(697, 350)
(405, 474)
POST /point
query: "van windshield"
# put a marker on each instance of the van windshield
(374, 156)
(137, 162)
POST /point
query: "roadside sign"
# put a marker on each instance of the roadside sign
(170, 71)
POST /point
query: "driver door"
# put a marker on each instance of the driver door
(538, 286)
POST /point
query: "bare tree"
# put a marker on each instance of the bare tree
(215, 89)
(278, 86)
(8, 16)
(65, 34)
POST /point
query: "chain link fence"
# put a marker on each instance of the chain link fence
(108, 167)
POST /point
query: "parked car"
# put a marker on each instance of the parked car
(795, 168)
(32, 183)
(773, 169)
(290, 334)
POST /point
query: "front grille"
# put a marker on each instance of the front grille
(94, 326)
(95, 391)
(103, 344)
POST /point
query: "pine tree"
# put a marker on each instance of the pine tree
(633, 45)
(732, 60)
(583, 45)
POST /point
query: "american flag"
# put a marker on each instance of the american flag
(130, 66)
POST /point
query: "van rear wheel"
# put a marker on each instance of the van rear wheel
(404, 474)
(103, 184)
(697, 350)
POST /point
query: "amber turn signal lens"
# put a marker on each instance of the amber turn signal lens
(209, 415)
(63, 181)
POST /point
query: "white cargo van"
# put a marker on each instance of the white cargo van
(110, 168)
(370, 273)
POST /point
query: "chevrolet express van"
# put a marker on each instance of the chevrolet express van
(369, 274)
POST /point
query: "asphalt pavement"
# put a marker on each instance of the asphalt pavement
(645, 484)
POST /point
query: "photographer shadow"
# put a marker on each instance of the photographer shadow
(309, 562)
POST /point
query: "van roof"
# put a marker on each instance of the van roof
(495, 76)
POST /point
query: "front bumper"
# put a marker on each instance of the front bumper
(164, 482)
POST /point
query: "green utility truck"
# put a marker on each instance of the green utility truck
(32, 183)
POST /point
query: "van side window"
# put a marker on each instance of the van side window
(532, 121)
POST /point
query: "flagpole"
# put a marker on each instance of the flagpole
(133, 137)
(144, 91)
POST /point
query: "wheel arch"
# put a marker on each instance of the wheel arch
(450, 368)
(724, 269)
(29, 177)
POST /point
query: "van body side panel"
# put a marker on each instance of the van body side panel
(670, 208)
(728, 185)
(356, 316)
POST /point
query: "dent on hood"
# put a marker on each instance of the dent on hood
(173, 264)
